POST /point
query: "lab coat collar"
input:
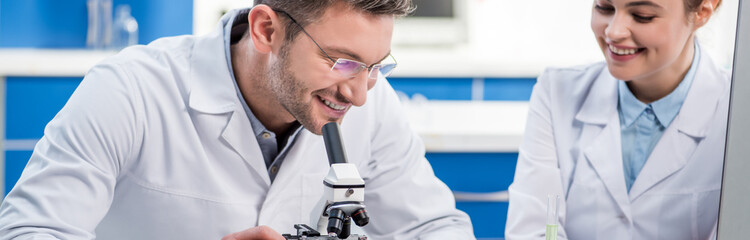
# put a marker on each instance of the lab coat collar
(601, 101)
(676, 147)
(703, 98)
(605, 156)
(599, 115)
(212, 90)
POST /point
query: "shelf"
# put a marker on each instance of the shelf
(49, 62)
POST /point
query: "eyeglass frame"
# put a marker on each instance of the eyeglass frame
(362, 66)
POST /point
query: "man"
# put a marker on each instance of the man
(202, 137)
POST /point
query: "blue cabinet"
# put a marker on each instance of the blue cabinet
(31, 102)
(478, 173)
(15, 161)
(478, 89)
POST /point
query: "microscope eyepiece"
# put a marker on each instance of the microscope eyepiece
(333, 142)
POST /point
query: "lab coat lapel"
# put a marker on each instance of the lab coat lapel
(600, 118)
(238, 134)
(298, 185)
(674, 149)
(213, 92)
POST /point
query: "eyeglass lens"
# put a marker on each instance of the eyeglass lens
(350, 68)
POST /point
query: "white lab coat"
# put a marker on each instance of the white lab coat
(572, 147)
(155, 144)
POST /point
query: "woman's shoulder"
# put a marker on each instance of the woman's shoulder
(575, 81)
(573, 73)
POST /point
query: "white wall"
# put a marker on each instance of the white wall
(511, 38)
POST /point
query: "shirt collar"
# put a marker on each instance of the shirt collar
(630, 107)
(666, 108)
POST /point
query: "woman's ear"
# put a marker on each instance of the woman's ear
(704, 12)
(264, 28)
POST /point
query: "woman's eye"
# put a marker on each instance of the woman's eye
(642, 19)
(604, 9)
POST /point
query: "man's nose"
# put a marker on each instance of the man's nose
(355, 88)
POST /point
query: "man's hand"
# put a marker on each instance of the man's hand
(256, 233)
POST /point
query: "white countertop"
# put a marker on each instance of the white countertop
(469, 126)
(445, 126)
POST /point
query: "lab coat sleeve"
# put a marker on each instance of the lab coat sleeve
(537, 172)
(404, 198)
(68, 184)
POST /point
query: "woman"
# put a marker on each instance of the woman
(634, 145)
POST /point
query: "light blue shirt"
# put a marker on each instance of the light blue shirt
(273, 152)
(642, 125)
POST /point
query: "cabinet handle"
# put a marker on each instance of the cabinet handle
(499, 196)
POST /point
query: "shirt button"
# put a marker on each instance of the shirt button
(266, 135)
(274, 169)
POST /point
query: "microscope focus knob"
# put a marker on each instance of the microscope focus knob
(360, 217)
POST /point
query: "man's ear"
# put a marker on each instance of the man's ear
(705, 10)
(264, 28)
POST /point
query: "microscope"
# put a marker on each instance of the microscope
(343, 196)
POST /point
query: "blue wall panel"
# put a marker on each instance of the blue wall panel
(63, 24)
(478, 172)
(160, 18)
(508, 89)
(434, 88)
(32, 102)
(15, 162)
(495, 89)
(474, 172)
(487, 218)
(43, 23)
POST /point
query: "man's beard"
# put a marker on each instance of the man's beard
(289, 92)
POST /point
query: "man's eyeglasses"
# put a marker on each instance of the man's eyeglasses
(350, 68)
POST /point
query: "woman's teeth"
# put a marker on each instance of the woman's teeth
(332, 105)
(622, 51)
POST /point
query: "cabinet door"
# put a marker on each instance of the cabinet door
(31, 102)
(480, 182)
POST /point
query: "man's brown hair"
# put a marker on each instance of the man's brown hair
(308, 11)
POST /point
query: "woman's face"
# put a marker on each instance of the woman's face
(642, 38)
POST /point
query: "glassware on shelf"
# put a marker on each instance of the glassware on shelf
(100, 23)
(125, 28)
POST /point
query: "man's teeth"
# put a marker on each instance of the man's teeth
(622, 51)
(332, 105)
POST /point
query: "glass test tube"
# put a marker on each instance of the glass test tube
(552, 201)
